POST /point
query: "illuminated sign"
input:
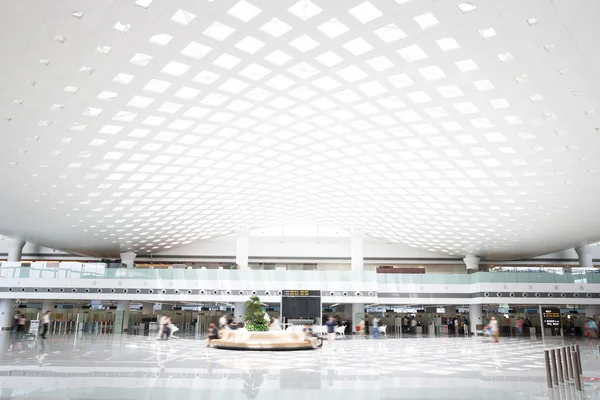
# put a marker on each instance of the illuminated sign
(551, 317)
(300, 293)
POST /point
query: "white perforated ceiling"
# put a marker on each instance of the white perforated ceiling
(458, 127)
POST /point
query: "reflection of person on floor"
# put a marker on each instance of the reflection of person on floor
(42, 353)
(172, 329)
(252, 382)
(213, 333)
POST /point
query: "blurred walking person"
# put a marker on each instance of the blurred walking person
(494, 330)
(330, 324)
(45, 324)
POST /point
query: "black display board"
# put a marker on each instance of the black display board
(301, 293)
(551, 317)
(300, 307)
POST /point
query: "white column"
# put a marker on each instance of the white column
(239, 311)
(475, 317)
(356, 250)
(147, 308)
(6, 311)
(472, 262)
(585, 256)
(591, 311)
(124, 305)
(47, 306)
(15, 249)
(127, 259)
(358, 312)
(242, 248)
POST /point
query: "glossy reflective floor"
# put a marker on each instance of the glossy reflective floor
(140, 367)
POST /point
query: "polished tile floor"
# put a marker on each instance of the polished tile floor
(140, 367)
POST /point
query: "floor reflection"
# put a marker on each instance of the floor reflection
(138, 367)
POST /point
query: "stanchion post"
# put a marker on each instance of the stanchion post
(559, 365)
(569, 363)
(565, 363)
(579, 359)
(553, 366)
(576, 371)
(548, 373)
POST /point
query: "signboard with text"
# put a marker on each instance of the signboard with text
(300, 293)
(551, 317)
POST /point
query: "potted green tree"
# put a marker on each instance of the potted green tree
(255, 316)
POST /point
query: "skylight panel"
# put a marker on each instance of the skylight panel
(110, 129)
(495, 137)
(137, 132)
(250, 45)
(499, 103)
(278, 57)
(180, 124)
(168, 107)
(447, 44)
(329, 59)
(390, 33)
(153, 120)
(513, 119)
(187, 93)
(436, 112)
(157, 86)
(365, 12)
(258, 94)
(484, 85)
(466, 108)
(487, 33)
(161, 39)
(244, 11)
(347, 96)
(103, 49)
(380, 63)
(196, 112)
(195, 50)
(426, 21)
(206, 77)
(358, 46)
(175, 68)
(466, 65)
(432, 73)
(391, 102)
(451, 126)
(372, 88)
(143, 3)
(141, 59)
(281, 102)
(481, 123)
(126, 116)
(401, 80)
(506, 57)
(214, 99)
(333, 28)
(326, 83)
(352, 73)
(412, 53)
(275, 27)
(218, 31)
(466, 7)
(450, 91)
(255, 72)
(121, 27)
(183, 17)
(106, 95)
(303, 70)
(305, 9)
(419, 97)
(233, 85)
(226, 61)
(302, 93)
(304, 43)
(280, 82)
(92, 112)
(408, 116)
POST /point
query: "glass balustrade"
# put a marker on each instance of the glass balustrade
(98, 271)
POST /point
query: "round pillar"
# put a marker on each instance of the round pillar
(475, 317)
(123, 306)
(127, 259)
(15, 250)
(472, 262)
(239, 311)
(6, 311)
(585, 256)
(357, 250)
(242, 248)
(358, 313)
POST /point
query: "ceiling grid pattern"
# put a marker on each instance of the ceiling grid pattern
(453, 126)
